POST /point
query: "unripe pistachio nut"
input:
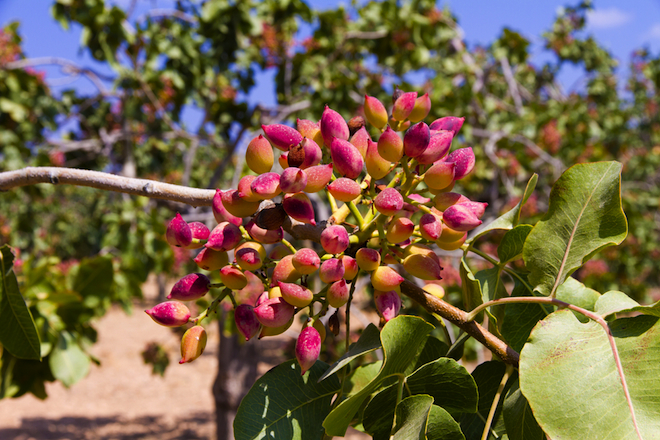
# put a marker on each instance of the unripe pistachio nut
(460, 218)
(285, 271)
(237, 205)
(293, 180)
(451, 123)
(224, 237)
(280, 251)
(199, 232)
(208, 259)
(318, 177)
(416, 140)
(345, 189)
(377, 167)
(246, 321)
(403, 106)
(259, 155)
(178, 232)
(337, 294)
(375, 112)
(439, 146)
(388, 202)
(388, 304)
(274, 331)
(274, 312)
(299, 207)
(399, 229)
(346, 158)
(385, 278)
(169, 314)
(318, 325)
(233, 278)
(430, 226)
(306, 261)
(220, 213)
(193, 344)
(440, 175)
(331, 270)
(308, 348)
(421, 109)
(282, 136)
(422, 267)
(445, 200)
(390, 145)
(310, 130)
(435, 289)
(266, 185)
(464, 160)
(333, 126)
(295, 294)
(350, 267)
(451, 245)
(334, 239)
(191, 287)
(245, 189)
(248, 259)
(368, 259)
(263, 235)
(361, 140)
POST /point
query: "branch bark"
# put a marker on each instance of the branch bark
(204, 197)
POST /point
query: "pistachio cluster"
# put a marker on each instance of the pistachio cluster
(396, 207)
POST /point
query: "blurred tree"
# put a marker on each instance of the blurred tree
(206, 56)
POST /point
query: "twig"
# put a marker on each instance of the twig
(168, 13)
(511, 82)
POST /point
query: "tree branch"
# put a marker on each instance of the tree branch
(204, 197)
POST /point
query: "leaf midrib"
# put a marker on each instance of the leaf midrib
(572, 236)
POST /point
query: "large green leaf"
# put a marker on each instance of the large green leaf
(520, 319)
(402, 337)
(487, 377)
(442, 426)
(471, 289)
(584, 216)
(569, 377)
(68, 361)
(368, 342)
(511, 218)
(283, 404)
(18, 333)
(448, 382)
(511, 246)
(412, 414)
(518, 418)
(618, 302)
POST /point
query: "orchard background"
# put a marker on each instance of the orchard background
(79, 251)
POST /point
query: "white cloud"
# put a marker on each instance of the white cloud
(608, 18)
(653, 33)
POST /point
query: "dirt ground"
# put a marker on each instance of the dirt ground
(121, 399)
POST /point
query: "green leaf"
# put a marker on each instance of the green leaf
(511, 218)
(285, 404)
(487, 377)
(432, 349)
(511, 246)
(93, 277)
(368, 342)
(518, 418)
(568, 374)
(360, 377)
(18, 333)
(448, 382)
(412, 413)
(615, 302)
(574, 292)
(584, 216)
(471, 289)
(401, 338)
(442, 426)
(68, 361)
(520, 319)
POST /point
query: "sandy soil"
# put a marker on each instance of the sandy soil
(121, 399)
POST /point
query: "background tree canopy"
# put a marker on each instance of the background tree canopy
(518, 121)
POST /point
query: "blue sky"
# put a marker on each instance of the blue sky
(619, 26)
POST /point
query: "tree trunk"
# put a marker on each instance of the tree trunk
(237, 371)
